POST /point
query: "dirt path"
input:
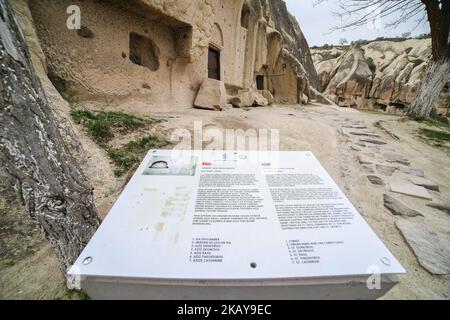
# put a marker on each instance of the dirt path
(329, 133)
(322, 129)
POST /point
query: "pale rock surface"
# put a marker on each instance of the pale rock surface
(368, 169)
(410, 190)
(249, 98)
(398, 208)
(426, 245)
(386, 170)
(396, 72)
(107, 66)
(365, 160)
(319, 97)
(267, 95)
(211, 96)
(352, 79)
(394, 157)
(373, 141)
(364, 134)
(445, 207)
(428, 184)
(413, 171)
(376, 180)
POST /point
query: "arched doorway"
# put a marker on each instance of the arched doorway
(214, 53)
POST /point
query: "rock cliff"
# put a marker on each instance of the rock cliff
(157, 53)
(382, 75)
(293, 37)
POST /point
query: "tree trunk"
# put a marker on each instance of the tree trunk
(439, 20)
(435, 79)
(50, 184)
(438, 72)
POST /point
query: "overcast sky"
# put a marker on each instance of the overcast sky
(316, 22)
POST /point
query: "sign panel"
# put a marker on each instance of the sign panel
(217, 215)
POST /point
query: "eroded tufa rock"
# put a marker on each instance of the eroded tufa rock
(388, 75)
(246, 45)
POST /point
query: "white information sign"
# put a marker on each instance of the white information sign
(202, 215)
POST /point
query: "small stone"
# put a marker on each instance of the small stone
(355, 148)
(412, 171)
(364, 160)
(360, 144)
(398, 208)
(346, 131)
(364, 134)
(386, 170)
(426, 245)
(372, 141)
(376, 180)
(410, 190)
(428, 184)
(440, 206)
(368, 169)
(374, 148)
(394, 157)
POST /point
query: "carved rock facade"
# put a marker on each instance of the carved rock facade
(160, 52)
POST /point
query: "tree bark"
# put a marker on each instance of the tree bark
(438, 72)
(435, 79)
(50, 184)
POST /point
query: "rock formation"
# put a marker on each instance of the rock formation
(159, 53)
(383, 75)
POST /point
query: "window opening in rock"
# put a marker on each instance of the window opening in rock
(144, 52)
(260, 82)
(245, 17)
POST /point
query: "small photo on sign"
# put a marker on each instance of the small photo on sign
(168, 166)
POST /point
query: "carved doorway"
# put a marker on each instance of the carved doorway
(213, 64)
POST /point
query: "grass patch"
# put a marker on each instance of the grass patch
(101, 125)
(127, 156)
(437, 121)
(76, 294)
(8, 262)
(439, 137)
(84, 296)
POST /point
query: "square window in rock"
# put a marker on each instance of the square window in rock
(144, 52)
